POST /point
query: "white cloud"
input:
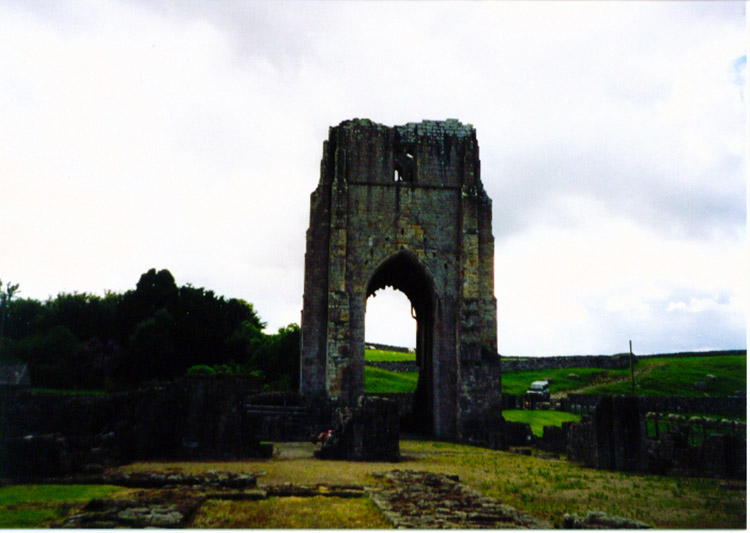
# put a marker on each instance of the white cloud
(570, 287)
(638, 304)
(188, 136)
(700, 305)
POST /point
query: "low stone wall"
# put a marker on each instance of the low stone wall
(395, 366)
(196, 417)
(405, 401)
(607, 362)
(584, 403)
(530, 363)
(288, 416)
(694, 354)
(555, 439)
(572, 361)
(614, 437)
(388, 347)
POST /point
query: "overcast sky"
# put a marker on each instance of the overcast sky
(188, 136)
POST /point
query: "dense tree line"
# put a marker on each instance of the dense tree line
(156, 332)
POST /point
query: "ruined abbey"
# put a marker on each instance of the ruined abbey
(404, 207)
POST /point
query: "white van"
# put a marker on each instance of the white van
(539, 390)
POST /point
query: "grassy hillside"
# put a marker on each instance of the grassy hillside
(561, 379)
(677, 376)
(668, 376)
(380, 381)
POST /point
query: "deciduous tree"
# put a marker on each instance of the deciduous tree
(5, 297)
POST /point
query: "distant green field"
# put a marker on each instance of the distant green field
(677, 376)
(538, 419)
(381, 381)
(673, 376)
(660, 376)
(387, 355)
(561, 379)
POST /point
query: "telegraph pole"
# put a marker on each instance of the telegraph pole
(632, 374)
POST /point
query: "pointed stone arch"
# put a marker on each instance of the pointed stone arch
(403, 272)
(428, 234)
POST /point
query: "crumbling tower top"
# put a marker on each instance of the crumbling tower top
(430, 153)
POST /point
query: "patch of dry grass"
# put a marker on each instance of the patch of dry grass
(544, 488)
(318, 512)
(548, 489)
(276, 472)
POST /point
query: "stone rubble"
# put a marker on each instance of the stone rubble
(600, 520)
(157, 480)
(425, 500)
(163, 510)
(408, 499)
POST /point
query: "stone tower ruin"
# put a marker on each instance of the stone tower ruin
(404, 207)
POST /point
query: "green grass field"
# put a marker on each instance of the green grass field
(560, 379)
(678, 376)
(654, 377)
(538, 419)
(33, 506)
(378, 381)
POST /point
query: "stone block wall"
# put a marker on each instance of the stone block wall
(618, 361)
(395, 366)
(584, 403)
(367, 432)
(288, 416)
(613, 437)
(555, 439)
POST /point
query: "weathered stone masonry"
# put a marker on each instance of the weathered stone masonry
(404, 207)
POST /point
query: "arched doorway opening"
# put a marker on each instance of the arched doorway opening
(403, 272)
(389, 319)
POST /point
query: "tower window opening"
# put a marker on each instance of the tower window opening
(404, 167)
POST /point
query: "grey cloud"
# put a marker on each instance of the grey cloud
(279, 32)
(697, 207)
